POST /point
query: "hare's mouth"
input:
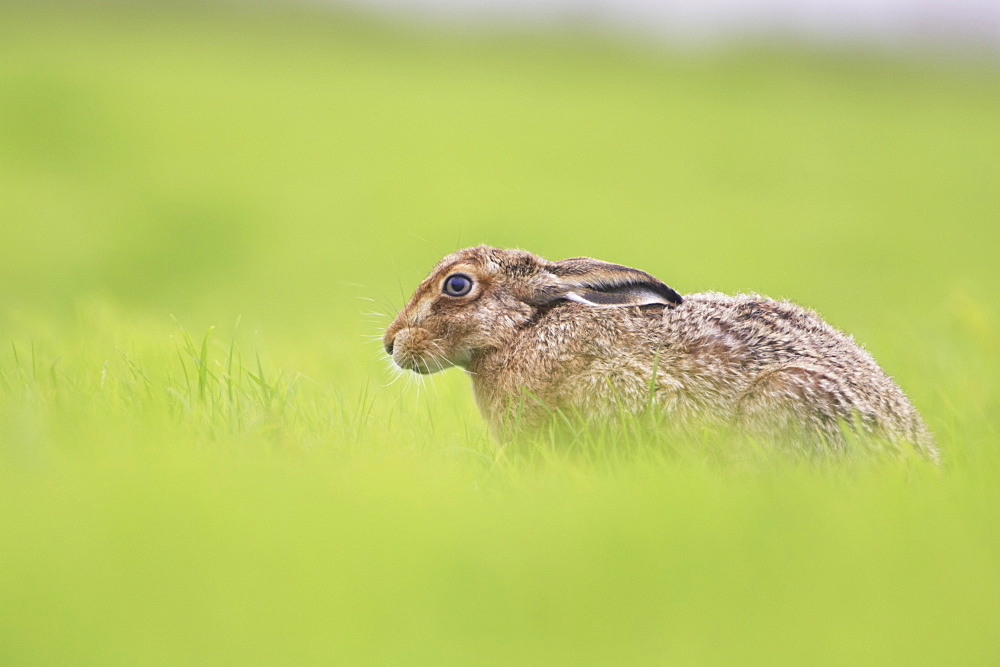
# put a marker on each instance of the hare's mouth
(424, 365)
(416, 350)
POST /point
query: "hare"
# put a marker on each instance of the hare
(595, 339)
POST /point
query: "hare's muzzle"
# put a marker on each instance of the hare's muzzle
(416, 350)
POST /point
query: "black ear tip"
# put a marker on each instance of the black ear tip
(661, 288)
(672, 296)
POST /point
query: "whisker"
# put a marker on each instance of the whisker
(395, 371)
(417, 380)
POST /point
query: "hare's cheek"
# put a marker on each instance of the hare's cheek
(460, 357)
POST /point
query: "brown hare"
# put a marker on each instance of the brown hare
(594, 339)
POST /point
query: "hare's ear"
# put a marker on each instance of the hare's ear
(597, 283)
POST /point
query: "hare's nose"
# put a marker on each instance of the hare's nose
(388, 347)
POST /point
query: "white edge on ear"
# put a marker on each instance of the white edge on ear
(648, 298)
(573, 296)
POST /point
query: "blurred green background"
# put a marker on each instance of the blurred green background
(261, 493)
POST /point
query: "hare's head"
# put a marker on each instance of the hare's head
(476, 299)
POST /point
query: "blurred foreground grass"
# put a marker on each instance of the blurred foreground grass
(258, 494)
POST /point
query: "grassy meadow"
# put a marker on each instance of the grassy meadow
(208, 215)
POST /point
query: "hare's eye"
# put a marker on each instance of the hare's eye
(457, 284)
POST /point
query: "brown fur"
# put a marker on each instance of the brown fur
(585, 337)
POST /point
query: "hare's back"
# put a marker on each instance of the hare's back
(764, 332)
(790, 358)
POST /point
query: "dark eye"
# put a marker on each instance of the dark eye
(457, 284)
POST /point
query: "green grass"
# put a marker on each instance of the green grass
(207, 214)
